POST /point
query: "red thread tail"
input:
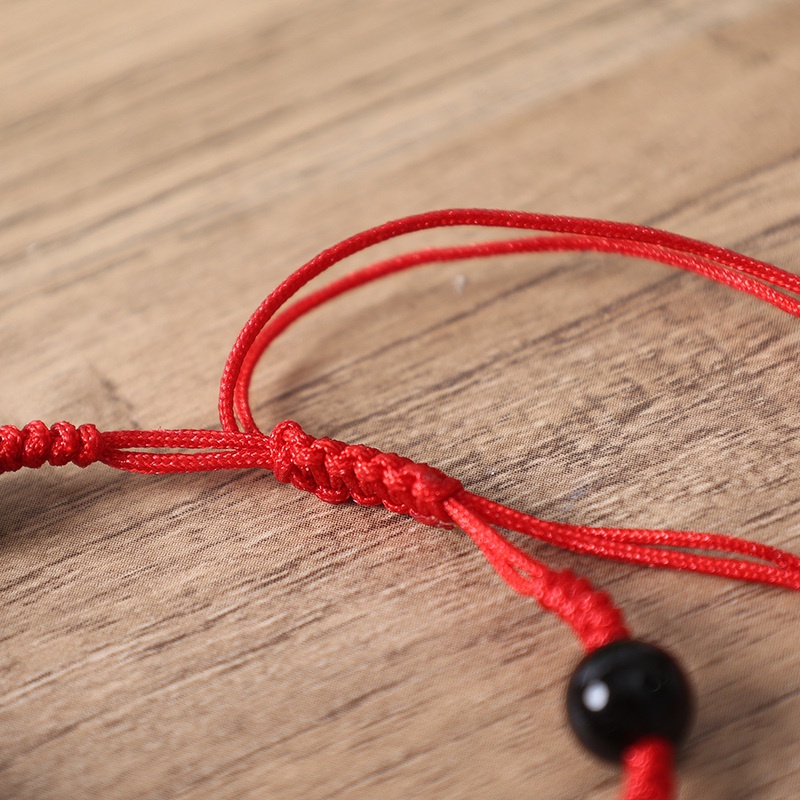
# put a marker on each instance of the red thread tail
(649, 771)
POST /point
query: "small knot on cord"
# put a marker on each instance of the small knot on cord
(336, 472)
(36, 445)
(591, 613)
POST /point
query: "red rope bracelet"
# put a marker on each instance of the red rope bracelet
(337, 472)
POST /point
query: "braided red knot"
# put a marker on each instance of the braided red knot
(336, 472)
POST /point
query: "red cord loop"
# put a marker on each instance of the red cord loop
(336, 472)
(36, 445)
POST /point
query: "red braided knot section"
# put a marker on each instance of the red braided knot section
(649, 771)
(335, 472)
(60, 444)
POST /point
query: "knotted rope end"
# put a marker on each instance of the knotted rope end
(35, 445)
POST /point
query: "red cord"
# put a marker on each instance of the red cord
(650, 771)
(337, 472)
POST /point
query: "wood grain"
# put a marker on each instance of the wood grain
(164, 164)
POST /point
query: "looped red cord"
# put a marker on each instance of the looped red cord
(336, 472)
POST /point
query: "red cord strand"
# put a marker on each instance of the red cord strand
(335, 471)
(263, 327)
(590, 613)
(649, 771)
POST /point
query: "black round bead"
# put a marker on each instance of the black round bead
(624, 692)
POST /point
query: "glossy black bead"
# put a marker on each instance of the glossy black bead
(624, 692)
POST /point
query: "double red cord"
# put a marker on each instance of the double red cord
(337, 472)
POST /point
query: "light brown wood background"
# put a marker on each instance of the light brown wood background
(163, 164)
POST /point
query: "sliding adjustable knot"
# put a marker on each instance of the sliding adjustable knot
(335, 472)
(36, 445)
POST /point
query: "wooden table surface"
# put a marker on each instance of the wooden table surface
(163, 164)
